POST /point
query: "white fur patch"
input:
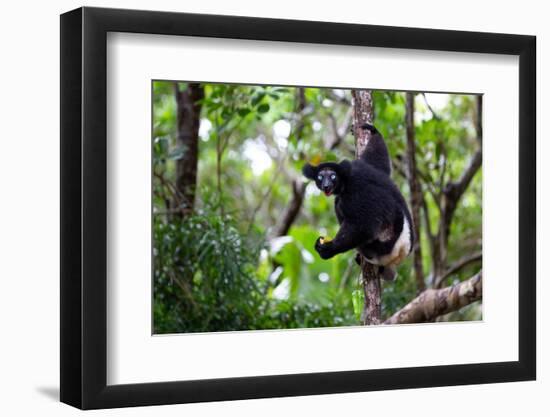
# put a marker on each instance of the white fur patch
(400, 249)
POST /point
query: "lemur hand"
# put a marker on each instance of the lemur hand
(322, 246)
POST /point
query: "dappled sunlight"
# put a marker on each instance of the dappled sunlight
(282, 291)
(256, 152)
(204, 129)
(281, 132)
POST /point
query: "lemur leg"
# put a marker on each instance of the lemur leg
(388, 273)
(390, 262)
(348, 237)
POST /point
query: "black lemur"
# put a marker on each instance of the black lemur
(373, 215)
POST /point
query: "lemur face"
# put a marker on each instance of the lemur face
(327, 181)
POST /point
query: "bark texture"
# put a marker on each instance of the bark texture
(372, 288)
(363, 112)
(433, 303)
(415, 192)
(188, 111)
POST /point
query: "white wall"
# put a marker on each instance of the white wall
(29, 173)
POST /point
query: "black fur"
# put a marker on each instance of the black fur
(368, 205)
(376, 154)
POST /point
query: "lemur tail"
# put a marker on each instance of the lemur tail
(376, 152)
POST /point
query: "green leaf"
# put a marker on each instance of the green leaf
(358, 300)
(290, 258)
(263, 108)
(243, 112)
(257, 98)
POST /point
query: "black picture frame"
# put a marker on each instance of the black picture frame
(84, 207)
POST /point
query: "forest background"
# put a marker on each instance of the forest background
(235, 222)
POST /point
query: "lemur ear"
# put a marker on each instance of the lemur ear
(345, 168)
(310, 171)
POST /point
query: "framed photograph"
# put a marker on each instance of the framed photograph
(257, 208)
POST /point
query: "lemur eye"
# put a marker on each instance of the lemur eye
(333, 177)
(319, 177)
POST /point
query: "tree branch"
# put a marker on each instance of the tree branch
(434, 303)
(340, 131)
(293, 208)
(334, 97)
(430, 108)
(429, 233)
(454, 190)
(458, 265)
(165, 186)
(298, 187)
(452, 193)
(397, 163)
(264, 197)
(479, 118)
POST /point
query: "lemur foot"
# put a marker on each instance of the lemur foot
(388, 273)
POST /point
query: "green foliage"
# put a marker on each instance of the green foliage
(200, 262)
(203, 262)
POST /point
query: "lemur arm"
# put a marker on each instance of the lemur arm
(338, 210)
(348, 237)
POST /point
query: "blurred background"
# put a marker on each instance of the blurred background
(235, 222)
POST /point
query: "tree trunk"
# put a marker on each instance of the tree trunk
(372, 289)
(416, 193)
(363, 112)
(188, 110)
